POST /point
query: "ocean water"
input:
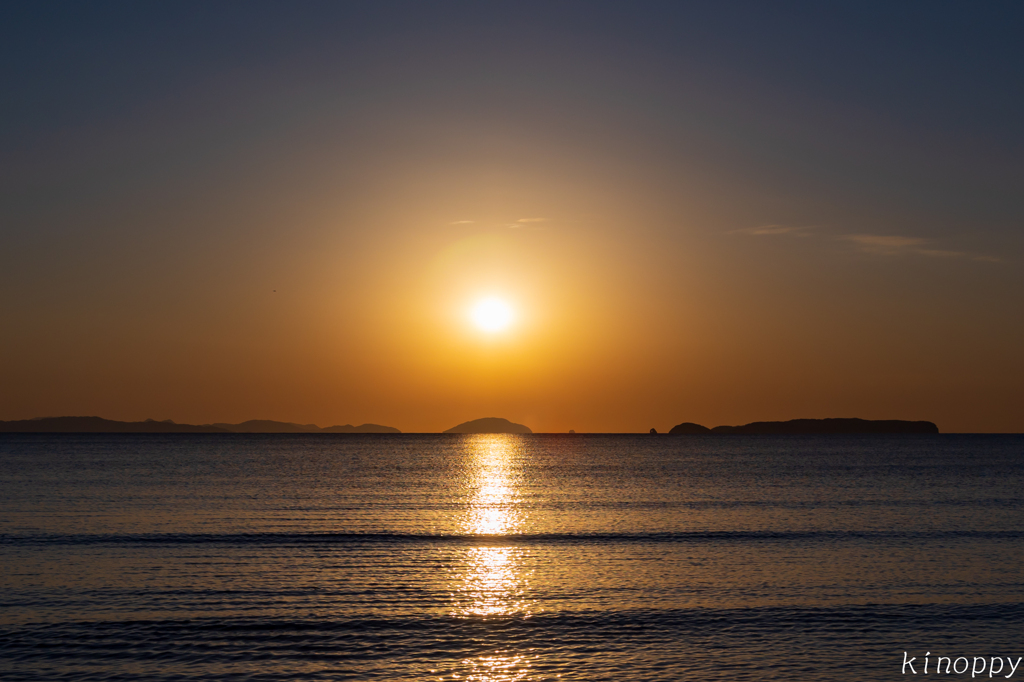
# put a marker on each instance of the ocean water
(434, 557)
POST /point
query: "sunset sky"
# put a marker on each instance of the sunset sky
(718, 213)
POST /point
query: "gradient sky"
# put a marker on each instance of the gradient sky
(717, 213)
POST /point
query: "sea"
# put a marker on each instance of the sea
(511, 557)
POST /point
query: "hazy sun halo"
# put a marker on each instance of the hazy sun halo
(491, 314)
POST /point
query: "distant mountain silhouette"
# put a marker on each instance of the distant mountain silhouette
(100, 425)
(688, 428)
(269, 426)
(489, 425)
(362, 428)
(813, 426)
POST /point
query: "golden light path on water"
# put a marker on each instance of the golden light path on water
(493, 580)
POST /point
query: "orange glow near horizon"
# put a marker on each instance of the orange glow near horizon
(597, 334)
(293, 236)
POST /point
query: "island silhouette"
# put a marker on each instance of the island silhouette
(489, 425)
(100, 425)
(269, 426)
(811, 426)
(485, 425)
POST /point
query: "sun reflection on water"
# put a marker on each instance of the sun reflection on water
(497, 668)
(493, 583)
(493, 505)
(491, 579)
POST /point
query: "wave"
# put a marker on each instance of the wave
(332, 538)
(808, 643)
(896, 616)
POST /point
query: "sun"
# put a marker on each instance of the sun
(492, 315)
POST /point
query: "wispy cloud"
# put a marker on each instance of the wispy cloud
(940, 253)
(463, 222)
(884, 243)
(769, 230)
(527, 224)
(880, 244)
(895, 245)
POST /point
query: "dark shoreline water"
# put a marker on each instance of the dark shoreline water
(589, 557)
